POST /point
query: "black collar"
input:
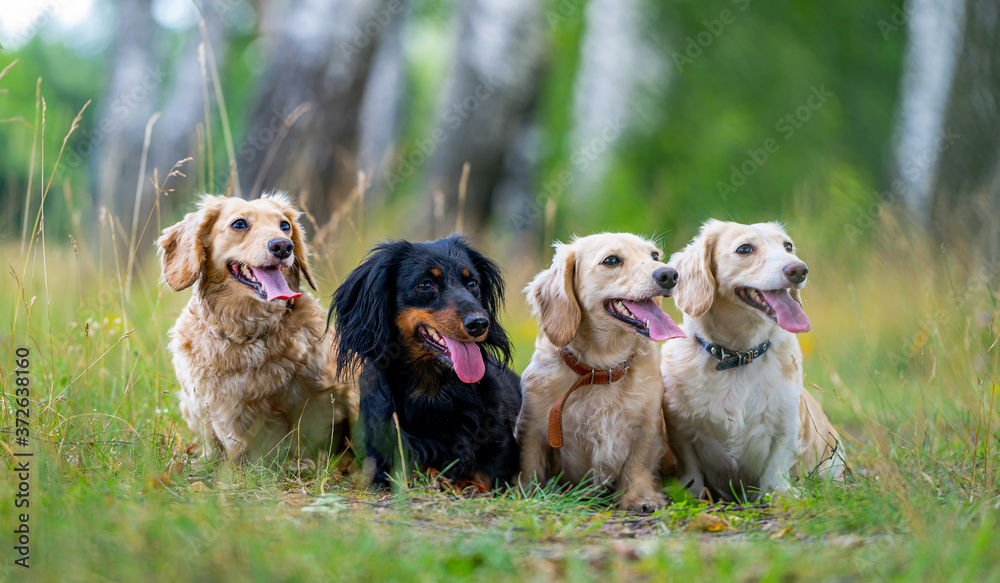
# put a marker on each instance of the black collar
(733, 358)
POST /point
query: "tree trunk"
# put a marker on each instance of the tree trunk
(383, 109)
(117, 132)
(485, 115)
(947, 166)
(605, 92)
(322, 58)
(966, 190)
(175, 135)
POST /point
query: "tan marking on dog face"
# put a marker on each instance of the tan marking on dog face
(436, 271)
(446, 322)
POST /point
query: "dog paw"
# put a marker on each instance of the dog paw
(642, 502)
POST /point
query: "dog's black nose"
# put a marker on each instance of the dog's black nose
(796, 272)
(476, 326)
(666, 277)
(280, 248)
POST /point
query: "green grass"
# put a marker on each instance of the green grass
(903, 356)
(903, 353)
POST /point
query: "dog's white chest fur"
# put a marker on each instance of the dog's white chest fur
(741, 424)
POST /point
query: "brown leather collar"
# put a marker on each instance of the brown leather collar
(588, 376)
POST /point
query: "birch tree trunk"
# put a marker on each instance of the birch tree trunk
(485, 115)
(322, 57)
(947, 164)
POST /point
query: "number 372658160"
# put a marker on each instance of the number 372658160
(22, 391)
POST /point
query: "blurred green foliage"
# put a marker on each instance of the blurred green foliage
(734, 95)
(733, 70)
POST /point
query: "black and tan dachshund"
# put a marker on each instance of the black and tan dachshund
(421, 322)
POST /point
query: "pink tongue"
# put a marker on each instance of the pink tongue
(467, 358)
(274, 283)
(789, 312)
(661, 327)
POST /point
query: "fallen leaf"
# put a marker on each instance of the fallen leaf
(782, 532)
(705, 522)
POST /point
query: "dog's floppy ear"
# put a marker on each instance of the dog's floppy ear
(553, 298)
(183, 247)
(363, 306)
(494, 292)
(695, 290)
(299, 248)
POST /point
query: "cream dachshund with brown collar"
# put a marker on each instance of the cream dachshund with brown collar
(592, 392)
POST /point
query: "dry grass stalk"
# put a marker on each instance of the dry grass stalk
(31, 164)
(132, 243)
(463, 185)
(273, 150)
(210, 176)
(8, 68)
(209, 58)
(439, 204)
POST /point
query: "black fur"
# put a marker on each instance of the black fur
(444, 421)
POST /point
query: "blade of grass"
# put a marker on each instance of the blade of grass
(219, 101)
(132, 243)
(463, 184)
(273, 150)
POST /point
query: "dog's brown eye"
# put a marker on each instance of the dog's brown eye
(240, 225)
(425, 285)
(285, 226)
(612, 261)
(473, 284)
(745, 249)
(656, 256)
(788, 246)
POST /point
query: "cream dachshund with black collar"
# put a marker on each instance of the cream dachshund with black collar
(740, 420)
